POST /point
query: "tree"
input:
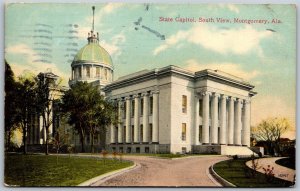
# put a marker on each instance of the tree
(88, 111)
(10, 104)
(270, 130)
(25, 103)
(46, 94)
(102, 114)
(76, 102)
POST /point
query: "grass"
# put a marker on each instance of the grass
(234, 171)
(287, 162)
(42, 170)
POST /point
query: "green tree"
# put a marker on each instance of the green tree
(10, 105)
(25, 103)
(99, 117)
(271, 130)
(76, 102)
(89, 112)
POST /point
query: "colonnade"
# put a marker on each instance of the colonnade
(225, 119)
(138, 129)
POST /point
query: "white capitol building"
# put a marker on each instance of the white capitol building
(169, 109)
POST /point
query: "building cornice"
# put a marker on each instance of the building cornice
(172, 70)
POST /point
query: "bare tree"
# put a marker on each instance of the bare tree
(271, 130)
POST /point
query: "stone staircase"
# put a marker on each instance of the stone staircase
(237, 150)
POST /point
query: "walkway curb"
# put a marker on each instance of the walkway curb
(104, 177)
(221, 180)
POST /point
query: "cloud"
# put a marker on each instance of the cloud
(233, 8)
(113, 48)
(231, 68)
(28, 55)
(20, 49)
(223, 41)
(264, 106)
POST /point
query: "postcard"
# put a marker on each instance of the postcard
(150, 95)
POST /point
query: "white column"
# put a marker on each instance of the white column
(246, 124)
(197, 120)
(136, 118)
(237, 122)
(112, 133)
(127, 120)
(205, 127)
(155, 117)
(120, 132)
(230, 121)
(145, 119)
(82, 71)
(223, 132)
(215, 119)
(41, 130)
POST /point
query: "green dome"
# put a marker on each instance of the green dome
(93, 52)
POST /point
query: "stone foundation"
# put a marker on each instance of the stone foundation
(139, 148)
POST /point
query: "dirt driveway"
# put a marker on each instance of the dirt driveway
(188, 171)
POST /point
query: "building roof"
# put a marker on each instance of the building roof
(93, 52)
(215, 75)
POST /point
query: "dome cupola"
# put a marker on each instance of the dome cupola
(92, 63)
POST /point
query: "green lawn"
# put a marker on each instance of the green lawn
(42, 170)
(236, 172)
(287, 162)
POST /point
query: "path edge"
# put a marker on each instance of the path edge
(219, 179)
(106, 176)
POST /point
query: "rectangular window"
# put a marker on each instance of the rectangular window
(141, 133)
(88, 71)
(151, 105)
(116, 134)
(137, 150)
(142, 106)
(124, 110)
(97, 72)
(200, 108)
(132, 133)
(200, 133)
(79, 71)
(150, 132)
(184, 103)
(183, 131)
(124, 134)
(132, 108)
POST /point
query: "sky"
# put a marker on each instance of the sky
(43, 37)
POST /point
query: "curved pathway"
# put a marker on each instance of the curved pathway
(188, 171)
(279, 171)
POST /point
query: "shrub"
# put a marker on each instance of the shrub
(254, 165)
(269, 174)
